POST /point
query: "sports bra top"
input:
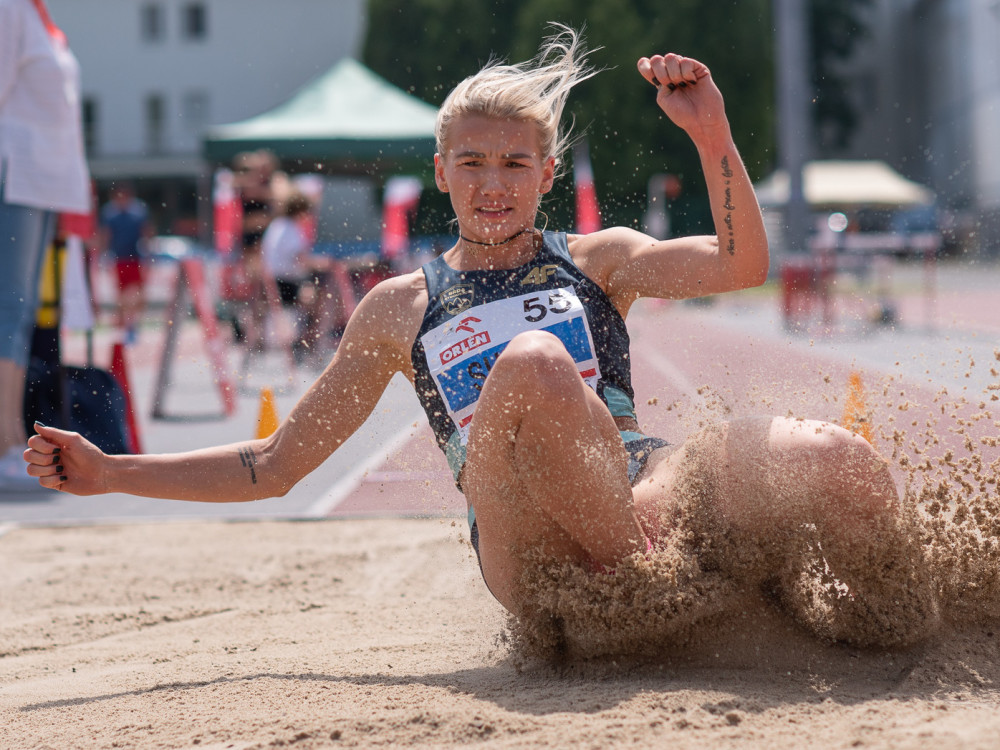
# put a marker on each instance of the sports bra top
(471, 316)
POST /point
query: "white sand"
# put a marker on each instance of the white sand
(368, 633)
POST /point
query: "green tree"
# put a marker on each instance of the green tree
(427, 46)
(629, 138)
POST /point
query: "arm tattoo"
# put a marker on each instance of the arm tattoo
(728, 205)
(727, 173)
(249, 460)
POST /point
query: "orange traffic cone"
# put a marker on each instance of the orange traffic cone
(856, 416)
(119, 371)
(267, 417)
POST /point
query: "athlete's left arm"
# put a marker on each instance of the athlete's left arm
(630, 264)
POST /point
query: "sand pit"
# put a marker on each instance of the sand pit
(359, 633)
(380, 633)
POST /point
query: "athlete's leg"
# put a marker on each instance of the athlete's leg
(131, 305)
(768, 475)
(810, 499)
(546, 467)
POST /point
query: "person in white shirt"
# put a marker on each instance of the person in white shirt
(43, 171)
(286, 248)
(287, 253)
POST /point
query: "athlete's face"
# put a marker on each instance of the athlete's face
(495, 174)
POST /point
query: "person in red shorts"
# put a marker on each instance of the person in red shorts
(124, 226)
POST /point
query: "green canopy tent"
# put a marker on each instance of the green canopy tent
(347, 121)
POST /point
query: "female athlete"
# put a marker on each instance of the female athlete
(516, 344)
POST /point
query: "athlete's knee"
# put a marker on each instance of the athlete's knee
(848, 451)
(537, 358)
(863, 489)
(536, 347)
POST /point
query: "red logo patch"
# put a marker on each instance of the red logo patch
(465, 345)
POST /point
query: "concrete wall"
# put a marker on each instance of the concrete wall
(984, 101)
(961, 91)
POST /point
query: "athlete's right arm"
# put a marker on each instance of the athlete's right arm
(375, 346)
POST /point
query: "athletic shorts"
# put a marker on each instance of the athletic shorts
(129, 272)
(288, 291)
(638, 446)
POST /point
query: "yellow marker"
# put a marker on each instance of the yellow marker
(856, 417)
(48, 291)
(267, 417)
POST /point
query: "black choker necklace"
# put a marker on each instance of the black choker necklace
(501, 242)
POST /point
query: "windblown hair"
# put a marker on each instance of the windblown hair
(533, 91)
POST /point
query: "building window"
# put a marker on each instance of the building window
(194, 110)
(89, 115)
(152, 24)
(194, 21)
(155, 123)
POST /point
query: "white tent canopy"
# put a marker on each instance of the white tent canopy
(844, 184)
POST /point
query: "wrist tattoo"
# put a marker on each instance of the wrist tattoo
(727, 173)
(249, 460)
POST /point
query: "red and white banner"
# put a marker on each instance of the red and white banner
(227, 216)
(588, 213)
(402, 194)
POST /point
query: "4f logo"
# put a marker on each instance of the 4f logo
(539, 274)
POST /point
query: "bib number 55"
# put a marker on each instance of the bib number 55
(535, 310)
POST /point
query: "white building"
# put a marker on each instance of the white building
(157, 72)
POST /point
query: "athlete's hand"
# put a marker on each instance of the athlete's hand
(65, 461)
(686, 93)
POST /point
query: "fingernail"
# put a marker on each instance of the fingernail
(56, 450)
(59, 468)
(40, 424)
(683, 85)
(671, 86)
(63, 478)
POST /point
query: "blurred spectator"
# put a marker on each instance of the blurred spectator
(124, 227)
(287, 248)
(288, 259)
(253, 171)
(42, 171)
(253, 177)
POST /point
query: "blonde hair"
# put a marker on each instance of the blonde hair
(534, 91)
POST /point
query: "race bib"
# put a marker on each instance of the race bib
(461, 352)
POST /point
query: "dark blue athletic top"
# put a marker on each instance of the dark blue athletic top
(472, 315)
(125, 228)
